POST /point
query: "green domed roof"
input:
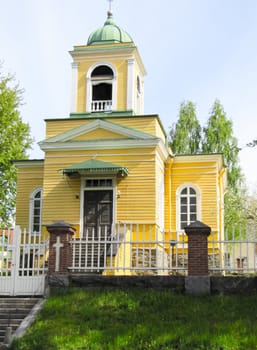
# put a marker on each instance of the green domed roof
(109, 33)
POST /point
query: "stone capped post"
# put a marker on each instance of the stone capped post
(197, 234)
(59, 247)
(197, 282)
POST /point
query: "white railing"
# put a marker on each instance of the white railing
(129, 249)
(236, 254)
(101, 106)
(6, 256)
(143, 249)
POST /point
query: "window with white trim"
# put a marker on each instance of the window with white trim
(188, 206)
(36, 210)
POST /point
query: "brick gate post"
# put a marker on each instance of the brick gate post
(198, 281)
(59, 252)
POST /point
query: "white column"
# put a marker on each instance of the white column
(89, 88)
(130, 84)
(74, 86)
(114, 93)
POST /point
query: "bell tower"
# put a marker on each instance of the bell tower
(107, 73)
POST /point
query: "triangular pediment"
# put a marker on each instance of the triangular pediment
(98, 134)
(99, 129)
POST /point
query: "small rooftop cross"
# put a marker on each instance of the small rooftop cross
(58, 245)
(110, 5)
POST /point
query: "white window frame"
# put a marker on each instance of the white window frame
(178, 207)
(31, 208)
(90, 83)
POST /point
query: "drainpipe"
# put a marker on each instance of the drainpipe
(168, 166)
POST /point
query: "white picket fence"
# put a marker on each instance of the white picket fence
(143, 249)
(238, 253)
(129, 249)
(23, 258)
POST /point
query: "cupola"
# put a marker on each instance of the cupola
(109, 33)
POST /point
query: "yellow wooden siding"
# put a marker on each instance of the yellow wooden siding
(61, 196)
(221, 184)
(28, 180)
(167, 195)
(137, 195)
(122, 78)
(121, 260)
(149, 124)
(159, 190)
(99, 134)
(204, 177)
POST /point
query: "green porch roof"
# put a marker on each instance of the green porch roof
(94, 166)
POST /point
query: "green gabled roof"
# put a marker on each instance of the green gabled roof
(94, 166)
(109, 33)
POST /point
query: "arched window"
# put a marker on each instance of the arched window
(35, 210)
(188, 205)
(101, 89)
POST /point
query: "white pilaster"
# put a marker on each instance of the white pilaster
(74, 86)
(114, 93)
(89, 94)
(130, 84)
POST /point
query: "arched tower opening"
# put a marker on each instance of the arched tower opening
(102, 89)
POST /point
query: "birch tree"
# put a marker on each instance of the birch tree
(185, 135)
(15, 140)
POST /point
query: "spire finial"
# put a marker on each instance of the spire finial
(110, 6)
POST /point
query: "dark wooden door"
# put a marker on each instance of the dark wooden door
(98, 217)
(98, 212)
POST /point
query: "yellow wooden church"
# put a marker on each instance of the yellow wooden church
(108, 165)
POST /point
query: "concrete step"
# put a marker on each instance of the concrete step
(13, 311)
(12, 301)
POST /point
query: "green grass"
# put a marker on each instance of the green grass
(142, 319)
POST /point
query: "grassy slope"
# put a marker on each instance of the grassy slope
(141, 319)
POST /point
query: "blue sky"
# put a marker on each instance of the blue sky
(196, 50)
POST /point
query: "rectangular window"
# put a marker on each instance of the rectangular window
(92, 183)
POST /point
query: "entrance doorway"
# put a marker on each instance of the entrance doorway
(98, 219)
